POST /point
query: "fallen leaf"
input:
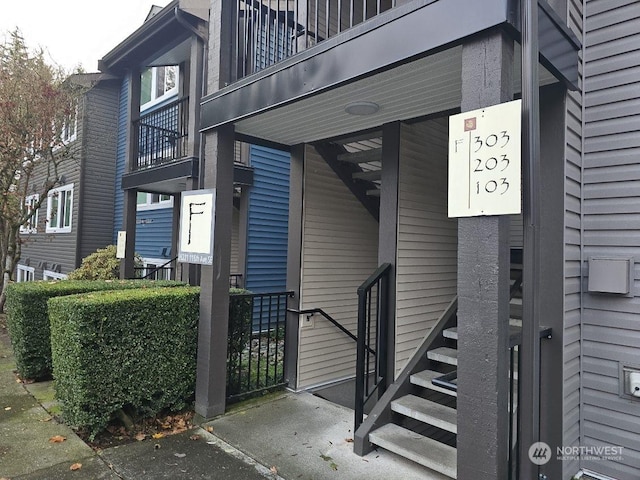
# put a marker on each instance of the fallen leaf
(348, 440)
(194, 437)
(57, 439)
(7, 409)
(333, 466)
(209, 428)
(46, 419)
(180, 455)
(141, 436)
(75, 466)
(326, 458)
(274, 470)
(158, 435)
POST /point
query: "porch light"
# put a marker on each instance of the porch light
(362, 108)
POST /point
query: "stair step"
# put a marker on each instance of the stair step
(451, 333)
(423, 379)
(423, 450)
(369, 175)
(426, 411)
(363, 156)
(444, 355)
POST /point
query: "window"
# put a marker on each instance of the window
(25, 274)
(157, 83)
(59, 209)
(151, 264)
(31, 225)
(70, 128)
(153, 201)
(51, 275)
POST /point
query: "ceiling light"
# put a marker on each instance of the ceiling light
(362, 108)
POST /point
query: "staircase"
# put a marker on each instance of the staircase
(419, 422)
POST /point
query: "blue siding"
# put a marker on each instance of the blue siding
(153, 230)
(268, 218)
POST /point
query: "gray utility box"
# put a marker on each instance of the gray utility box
(611, 275)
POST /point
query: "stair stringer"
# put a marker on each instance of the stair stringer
(381, 413)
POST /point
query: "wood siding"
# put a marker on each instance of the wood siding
(339, 252)
(427, 239)
(611, 226)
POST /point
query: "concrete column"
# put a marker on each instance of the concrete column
(483, 289)
(131, 155)
(388, 229)
(294, 259)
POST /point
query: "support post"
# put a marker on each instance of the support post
(127, 264)
(483, 289)
(388, 231)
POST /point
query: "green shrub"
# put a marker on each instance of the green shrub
(28, 321)
(133, 350)
(240, 318)
(100, 265)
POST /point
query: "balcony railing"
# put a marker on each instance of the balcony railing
(162, 134)
(268, 31)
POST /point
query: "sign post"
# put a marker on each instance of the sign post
(485, 161)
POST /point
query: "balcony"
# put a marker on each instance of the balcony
(268, 31)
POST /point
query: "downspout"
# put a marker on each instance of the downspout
(81, 187)
(582, 292)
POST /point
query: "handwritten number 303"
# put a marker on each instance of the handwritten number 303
(492, 140)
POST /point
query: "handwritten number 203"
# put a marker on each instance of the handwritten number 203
(492, 140)
(491, 163)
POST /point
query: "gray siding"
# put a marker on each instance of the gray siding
(572, 256)
(235, 242)
(99, 165)
(427, 239)
(339, 252)
(611, 330)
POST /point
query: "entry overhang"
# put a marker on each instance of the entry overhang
(418, 29)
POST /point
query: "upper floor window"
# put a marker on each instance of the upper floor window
(70, 127)
(152, 201)
(156, 84)
(31, 225)
(59, 209)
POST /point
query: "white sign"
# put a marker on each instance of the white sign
(485, 161)
(197, 218)
(121, 245)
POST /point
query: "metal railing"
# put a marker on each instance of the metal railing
(236, 280)
(162, 134)
(256, 346)
(159, 272)
(268, 31)
(371, 356)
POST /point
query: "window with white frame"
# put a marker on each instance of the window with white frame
(25, 273)
(153, 201)
(156, 84)
(150, 265)
(60, 209)
(31, 225)
(70, 127)
(51, 275)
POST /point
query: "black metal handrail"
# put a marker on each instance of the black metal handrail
(371, 368)
(162, 134)
(235, 280)
(342, 328)
(154, 271)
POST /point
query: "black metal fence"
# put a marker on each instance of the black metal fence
(371, 359)
(256, 348)
(236, 280)
(268, 31)
(162, 134)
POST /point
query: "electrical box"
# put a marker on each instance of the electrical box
(611, 275)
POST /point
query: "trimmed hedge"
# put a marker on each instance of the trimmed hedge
(133, 350)
(28, 319)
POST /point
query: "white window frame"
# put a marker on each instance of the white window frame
(155, 262)
(149, 204)
(32, 224)
(70, 128)
(172, 92)
(25, 273)
(60, 209)
(51, 275)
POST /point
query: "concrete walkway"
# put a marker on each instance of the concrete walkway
(282, 437)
